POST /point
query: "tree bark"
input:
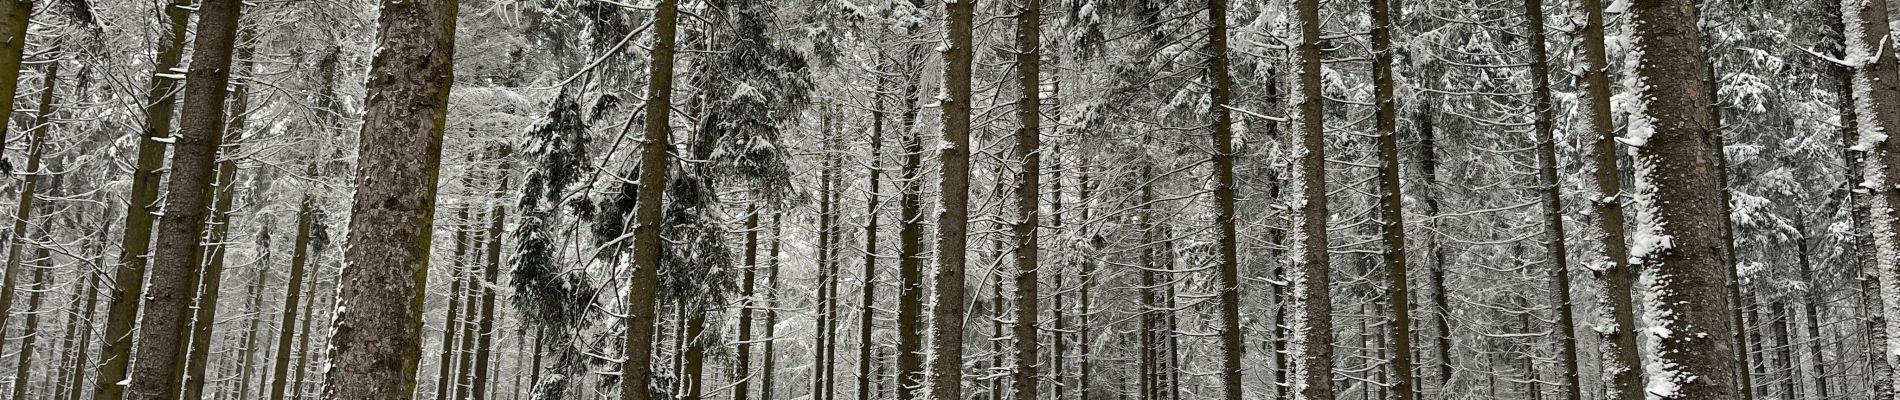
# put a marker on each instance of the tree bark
(29, 193)
(910, 242)
(1225, 198)
(497, 215)
(128, 281)
(23, 371)
(946, 363)
(1025, 376)
(14, 19)
(1312, 342)
(176, 267)
(1626, 378)
(769, 366)
(1552, 197)
(1391, 200)
(637, 369)
(1684, 277)
(212, 282)
(293, 293)
(741, 390)
(377, 339)
(1876, 90)
(867, 317)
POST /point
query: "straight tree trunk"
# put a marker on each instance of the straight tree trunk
(1312, 342)
(452, 323)
(83, 348)
(1553, 202)
(868, 317)
(1734, 283)
(248, 364)
(23, 371)
(464, 378)
(910, 239)
(377, 341)
(14, 19)
(1087, 278)
(497, 215)
(1812, 300)
(212, 282)
(637, 370)
(303, 334)
(128, 287)
(1684, 277)
(29, 192)
(176, 267)
(287, 327)
(1441, 297)
(821, 314)
(1225, 198)
(1626, 378)
(1391, 201)
(1024, 375)
(741, 390)
(1148, 362)
(1876, 93)
(766, 383)
(946, 363)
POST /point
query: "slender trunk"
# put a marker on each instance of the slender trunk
(1685, 277)
(497, 215)
(1553, 202)
(1312, 341)
(23, 371)
(910, 239)
(248, 364)
(83, 348)
(1626, 370)
(1717, 140)
(1024, 375)
(637, 369)
(741, 390)
(1441, 297)
(29, 193)
(946, 365)
(128, 281)
(769, 366)
(212, 283)
(868, 315)
(1391, 202)
(303, 333)
(452, 324)
(1225, 198)
(287, 327)
(463, 385)
(1150, 321)
(1087, 281)
(178, 253)
(821, 313)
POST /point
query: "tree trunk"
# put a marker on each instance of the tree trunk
(1877, 92)
(1391, 202)
(1734, 283)
(769, 367)
(84, 347)
(463, 379)
(1148, 362)
(1312, 342)
(637, 369)
(212, 283)
(287, 327)
(1225, 198)
(303, 334)
(741, 390)
(867, 318)
(1552, 198)
(452, 323)
(248, 364)
(497, 215)
(377, 341)
(178, 253)
(1441, 298)
(1626, 370)
(1087, 278)
(128, 281)
(910, 242)
(946, 366)
(29, 193)
(1024, 375)
(14, 19)
(821, 313)
(1684, 277)
(23, 371)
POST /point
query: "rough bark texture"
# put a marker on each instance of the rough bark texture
(204, 319)
(1312, 342)
(1392, 203)
(1028, 157)
(953, 216)
(293, 293)
(178, 252)
(128, 281)
(23, 371)
(1686, 278)
(1225, 198)
(637, 369)
(1552, 197)
(14, 16)
(1877, 88)
(1625, 369)
(377, 339)
(23, 211)
(910, 243)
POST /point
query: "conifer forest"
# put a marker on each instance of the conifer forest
(949, 200)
